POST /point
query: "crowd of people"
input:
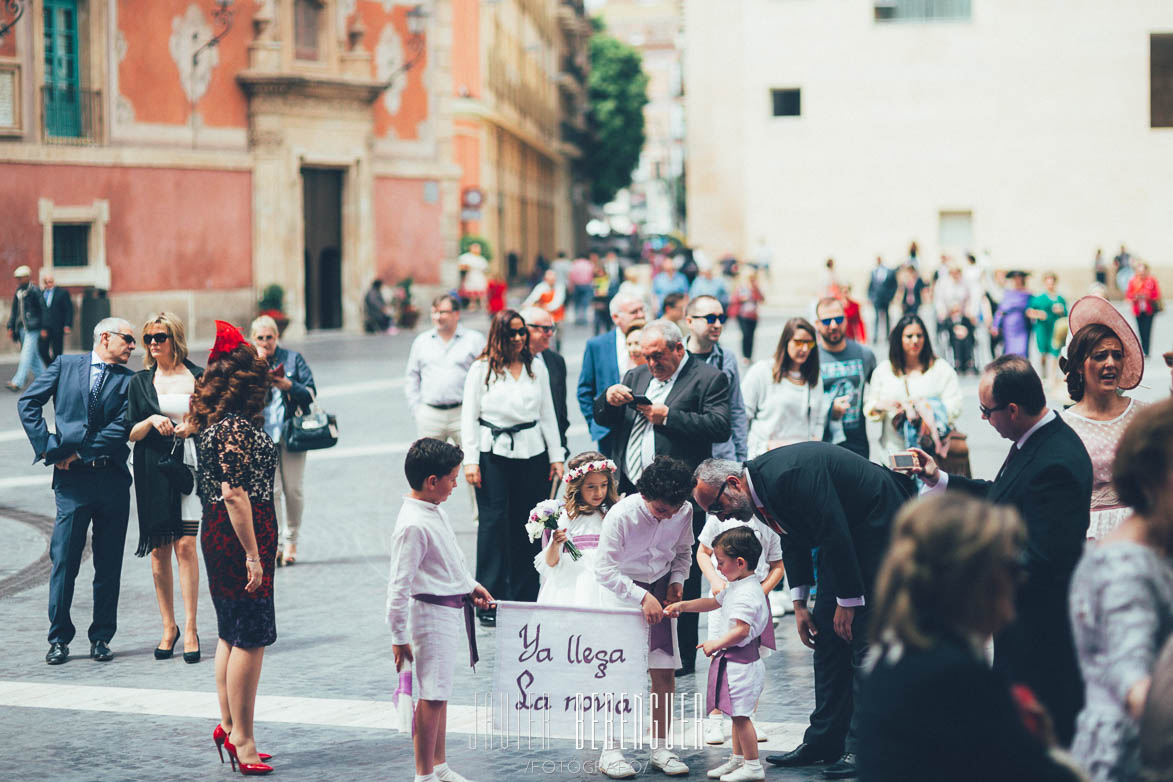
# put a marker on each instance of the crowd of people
(743, 497)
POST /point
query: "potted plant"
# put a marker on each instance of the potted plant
(408, 314)
(272, 303)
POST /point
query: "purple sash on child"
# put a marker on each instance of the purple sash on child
(583, 542)
(659, 635)
(717, 697)
(458, 601)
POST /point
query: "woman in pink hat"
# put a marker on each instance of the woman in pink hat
(1103, 359)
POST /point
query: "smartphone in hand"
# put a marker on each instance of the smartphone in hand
(903, 460)
(640, 399)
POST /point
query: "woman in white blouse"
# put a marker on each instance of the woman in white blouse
(784, 400)
(513, 452)
(908, 382)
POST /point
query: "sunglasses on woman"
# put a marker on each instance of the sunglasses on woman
(522, 332)
(155, 338)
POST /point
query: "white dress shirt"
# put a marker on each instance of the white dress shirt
(96, 363)
(658, 391)
(425, 559)
(744, 599)
(635, 545)
(943, 477)
(622, 357)
(436, 369)
(506, 402)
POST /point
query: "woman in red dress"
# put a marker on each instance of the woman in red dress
(239, 535)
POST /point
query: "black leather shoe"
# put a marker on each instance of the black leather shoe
(802, 755)
(844, 768)
(101, 652)
(58, 653)
(685, 671)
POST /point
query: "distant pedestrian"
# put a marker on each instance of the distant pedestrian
(881, 291)
(550, 295)
(668, 281)
(1145, 295)
(911, 289)
(744, 305)
(1100, 267)
(25, 322)
(436, 368)
(706, 284)
(91, 482)
(1123, 266)
(676, 309)
(581, 277)
(58, 322)
(1010, 322)
(376, 315)
(474, 267)
(1047, 308)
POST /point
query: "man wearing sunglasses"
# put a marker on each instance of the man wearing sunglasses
(846, 367)
(541, 330)
(90, 479)
(1047, 476)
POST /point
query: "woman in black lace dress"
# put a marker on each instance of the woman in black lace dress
(239, 533)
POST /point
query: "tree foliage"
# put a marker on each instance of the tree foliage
(617, 91)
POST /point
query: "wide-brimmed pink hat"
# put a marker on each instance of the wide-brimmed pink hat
(1096, 309)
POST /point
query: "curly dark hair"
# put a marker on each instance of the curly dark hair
(497, 348)
(666, 479)
(1083, 342)
(236, 382)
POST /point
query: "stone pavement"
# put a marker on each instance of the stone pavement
(324, 709)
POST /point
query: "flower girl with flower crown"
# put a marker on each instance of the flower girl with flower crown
(568, 579)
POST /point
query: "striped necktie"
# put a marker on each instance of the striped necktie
(635, 448)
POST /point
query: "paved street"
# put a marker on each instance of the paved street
(324, 708)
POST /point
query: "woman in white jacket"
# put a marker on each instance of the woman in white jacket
(784, 396)
(905, 385)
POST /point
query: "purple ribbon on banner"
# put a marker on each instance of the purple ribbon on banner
(717, 696)
(659, 635)
(458, 601)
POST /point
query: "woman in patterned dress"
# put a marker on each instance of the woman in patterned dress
(1103, 359)
(239, 535)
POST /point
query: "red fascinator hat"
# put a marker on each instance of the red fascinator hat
(228, 338)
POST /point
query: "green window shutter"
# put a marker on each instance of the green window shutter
(62, 93)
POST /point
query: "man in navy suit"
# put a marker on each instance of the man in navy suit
(90, 478)
(58, 320)
(605, 361)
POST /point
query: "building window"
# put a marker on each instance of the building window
(786, 102)
(71, 245)
(921, 10)
(62, 92)
(307, 16)
(9, 98)
(1161, 81)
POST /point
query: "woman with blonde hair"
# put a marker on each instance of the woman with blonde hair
(932, 708)
(158, 399)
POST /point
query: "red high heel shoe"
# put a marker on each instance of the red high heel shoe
(219, 735)
(247, 769)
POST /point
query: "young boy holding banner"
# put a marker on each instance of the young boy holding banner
(644, 554)
(736, 672)
(429, 586)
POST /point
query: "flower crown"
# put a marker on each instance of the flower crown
(589, 467)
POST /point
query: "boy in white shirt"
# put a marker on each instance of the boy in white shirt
(429, 585)
(644, 554)
(769, 572)
(736, 672)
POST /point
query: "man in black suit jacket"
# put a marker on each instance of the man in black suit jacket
(58, 319)
(90, 479)
(688, 415)
(541, 329)
(818, 495)
(1048, 477)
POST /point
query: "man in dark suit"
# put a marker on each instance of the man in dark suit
(58, 320)
(604, 362)
(541, 329)
(1047, 476)
(90, 478)
(688, 414)
(818, 495)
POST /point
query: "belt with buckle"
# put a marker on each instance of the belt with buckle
(101, 463)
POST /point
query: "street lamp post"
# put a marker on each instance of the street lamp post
(222, 15)
(417, 23)
(15, 9)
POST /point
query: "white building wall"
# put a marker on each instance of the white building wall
(1034, 116)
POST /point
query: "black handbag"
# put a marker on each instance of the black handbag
(310, 431)
(171, 465)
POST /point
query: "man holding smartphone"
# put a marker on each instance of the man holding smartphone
(846, 367)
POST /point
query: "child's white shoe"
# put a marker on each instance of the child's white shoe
(746, 773)
(669, 762)
(446, 774)
(714, 732)
(614, 765)
(732, 764)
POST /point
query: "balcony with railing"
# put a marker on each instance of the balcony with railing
(71, 116)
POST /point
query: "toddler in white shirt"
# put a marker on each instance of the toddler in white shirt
(428, 588)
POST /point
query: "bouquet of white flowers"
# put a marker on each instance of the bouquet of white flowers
(544, 516)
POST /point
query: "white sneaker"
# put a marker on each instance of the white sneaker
(714, 732)
(745, 774)
(448, 775)
(669, 762)
(614, 765)
(732, 764)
